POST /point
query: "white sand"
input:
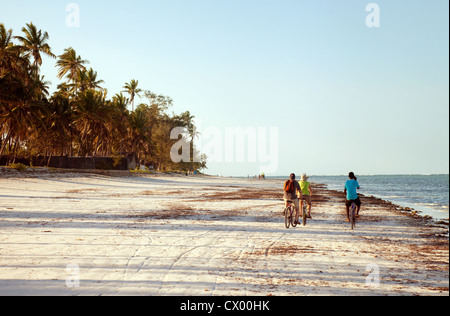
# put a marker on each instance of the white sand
(183, 236)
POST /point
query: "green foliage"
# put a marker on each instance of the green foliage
(79, 119)
(17, 166)
(117, 160)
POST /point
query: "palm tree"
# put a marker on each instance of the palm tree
(187, 120)
(21, 116)
(139, 133)
(40, 88)
(8, 84)
(78, 119)
(120, 123)
(120, 101)
(70, 64)
(133, 90)
(63, 90)
(88, 80)
(11, 59)
(92, 117)
(59, 123)
(34, 43)
(22, 105)
(5, 36)
(5, 45)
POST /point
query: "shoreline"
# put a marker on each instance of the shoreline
(205, 236)
(405, 208)
(425, 210)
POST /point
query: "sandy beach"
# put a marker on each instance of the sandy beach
(206, 236)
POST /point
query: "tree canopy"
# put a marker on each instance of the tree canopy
(79, 119)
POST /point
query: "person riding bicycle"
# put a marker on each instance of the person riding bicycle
(292, 191)
(351, 194)
(306, 193)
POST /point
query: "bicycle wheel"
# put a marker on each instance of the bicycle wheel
(353, 216)
(293, 222)
(287, 216)
(304, 214)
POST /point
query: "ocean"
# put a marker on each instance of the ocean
(428, 194)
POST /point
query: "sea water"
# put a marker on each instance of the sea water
(428, 194)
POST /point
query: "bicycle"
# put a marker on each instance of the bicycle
(289, 215)
(353, 215)
(304, 209)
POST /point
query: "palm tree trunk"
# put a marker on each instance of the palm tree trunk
(35, 69)
(15, 149)
(5, 143)
(71, 143)
(48, 161)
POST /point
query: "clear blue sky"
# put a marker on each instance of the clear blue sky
(343, 96)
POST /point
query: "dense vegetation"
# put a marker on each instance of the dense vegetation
(78, 119)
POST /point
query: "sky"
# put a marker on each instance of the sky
(307, 85)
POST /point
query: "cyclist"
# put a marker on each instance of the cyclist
(351, 194)
(306, 193)
(292, 191)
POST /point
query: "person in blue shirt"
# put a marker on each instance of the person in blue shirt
(351, 194)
